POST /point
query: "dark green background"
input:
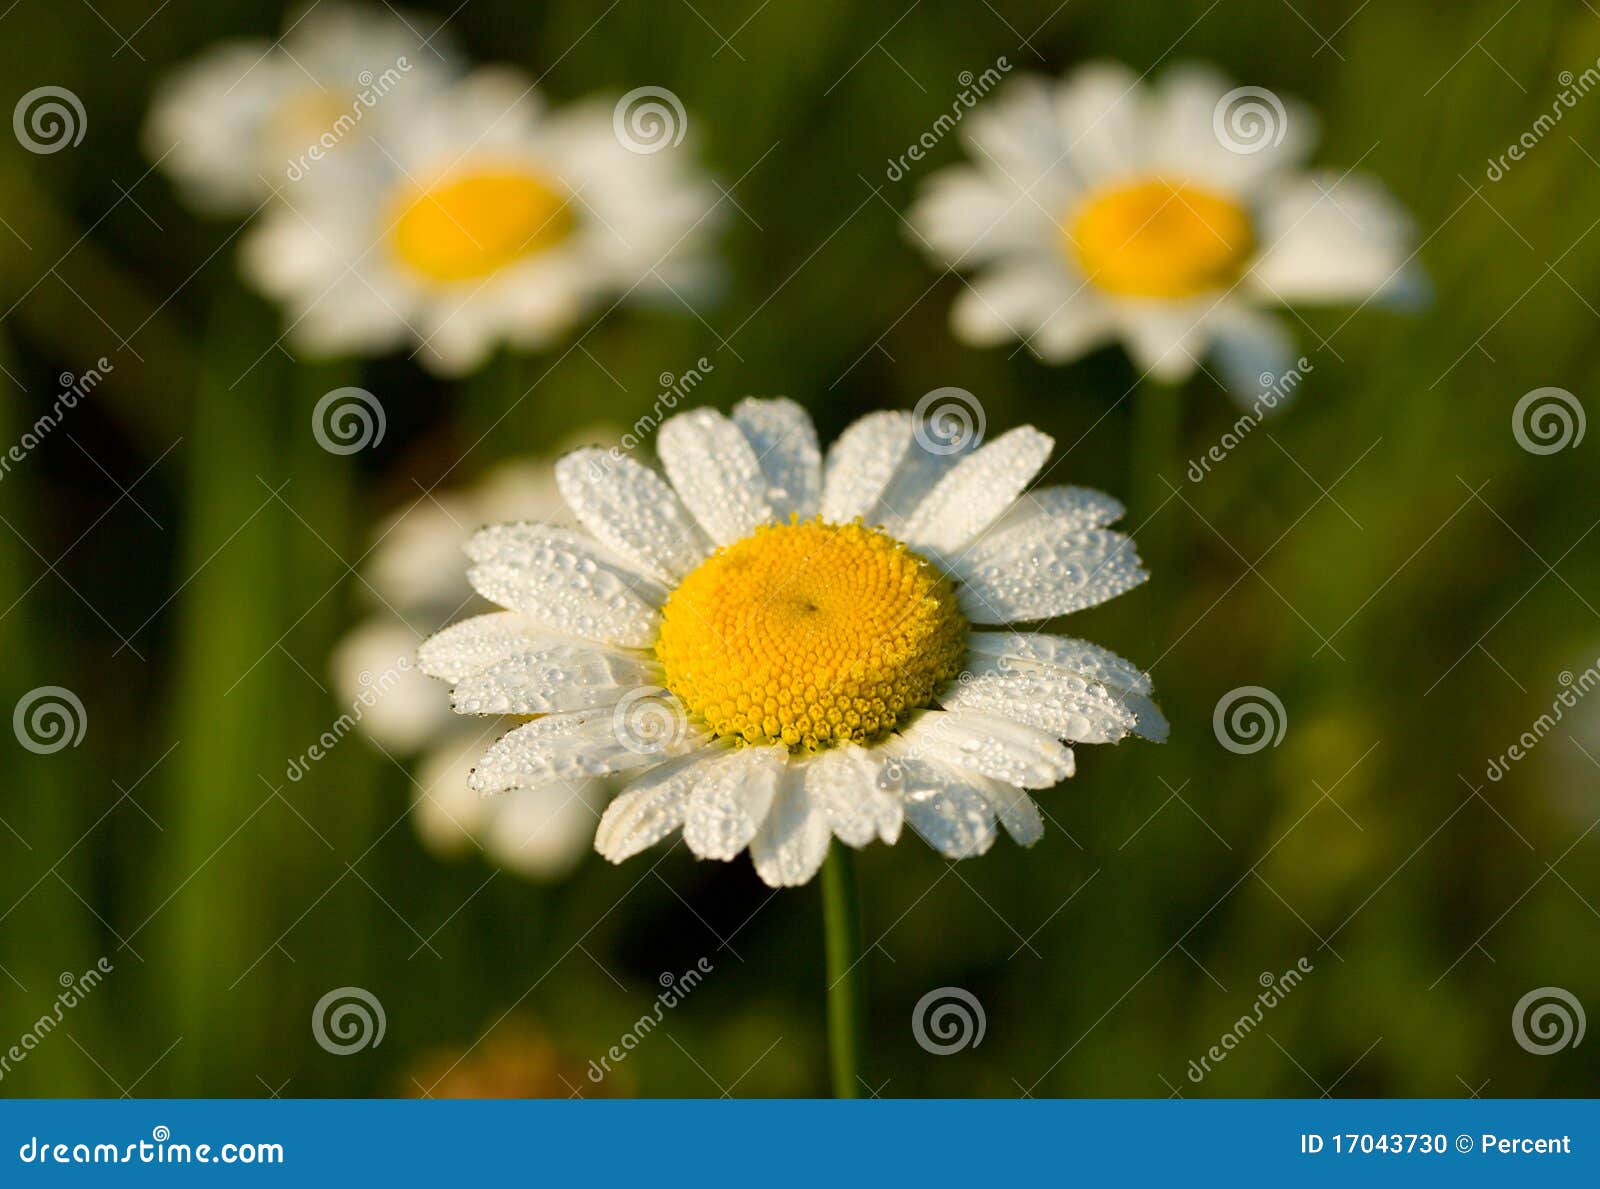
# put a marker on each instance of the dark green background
(1384, 557)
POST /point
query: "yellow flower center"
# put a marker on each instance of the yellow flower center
(810, 634)
(1155, 238)
(469, 225)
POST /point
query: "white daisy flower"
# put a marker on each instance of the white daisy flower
(775, 650)
(248, 117)
(497, 222)
(412, 573)
(1098, 208)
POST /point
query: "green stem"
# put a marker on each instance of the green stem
(841, 916)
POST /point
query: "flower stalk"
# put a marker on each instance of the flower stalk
(841, 919)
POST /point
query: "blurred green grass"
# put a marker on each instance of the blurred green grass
(1409, 617)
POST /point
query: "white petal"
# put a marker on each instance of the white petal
(970, 217)
(554, 677)
(1011, 301)
(1253, 352)
(793, 841)
(946, 809)
(572, 747)
(1070, 707)
(1018, 140)
(785, 442)
(542, 833)
(861, 462)
(716, 473)
(1165, 340)
(1032, 575)
(730, 800)
(980, 488)
(446, 811)
(1185, 121)
(1149, 722)
(474, 644)
(952, 429)
(1102, 108)
(650, 808)
(992, 747)
(1059, 655)
(558, 579)
(400, 707)
(1068, 509)
(844, 782)
(630, 508)
(1063, 652)
(1330, 239)
(1017, 811)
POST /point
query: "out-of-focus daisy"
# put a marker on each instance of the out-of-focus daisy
(414, 576)
(1166, 216)
(499, 222)
(248, 117)
(776, 651)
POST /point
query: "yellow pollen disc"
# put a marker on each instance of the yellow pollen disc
(810, 634)
(1156, 238)
(472, 224)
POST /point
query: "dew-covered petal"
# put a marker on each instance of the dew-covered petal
(650, 808)
(1060, 655)
(785, 442)
(473, 644)
(1070, 707)
(573, 746)
(992, 747)
(1017, 811)
(1069, 509)
(1063, 652)
(1149, 723)
(861, 462)
(1038, 574)
(977, 491)
(558, 579)
(844, 781)
(554, 677)
(730, 800)
(950, 431)
(794, 838)
(716, 473)
(943, 805)
(631, 509)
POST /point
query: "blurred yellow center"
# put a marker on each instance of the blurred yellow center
(474, 224)
(810, 634)
(1155, 238)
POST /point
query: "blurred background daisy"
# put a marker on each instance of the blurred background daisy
(415, 579)
(1162, 214)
